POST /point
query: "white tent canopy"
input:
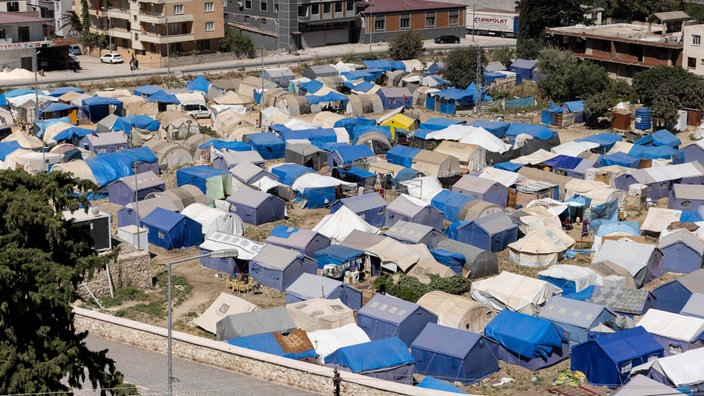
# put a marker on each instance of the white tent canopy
(574, 149)
(582, 277)
(672, 325)
(658, 219)
(471, 135)
(225, 304)
(319, 313)
(457, 312)
(682, 369)
(423, 188)
(326, 342)
(514, 292)
(339, 225)
(540, 247)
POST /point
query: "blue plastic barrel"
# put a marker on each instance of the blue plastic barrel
(644, 119)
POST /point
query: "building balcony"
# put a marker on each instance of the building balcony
(118, 13)
(156, 38)
(179, 18)
(152, 17)
(161, 1)
(121, 33)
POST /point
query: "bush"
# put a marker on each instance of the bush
(238, 43)
(505, 55)
(411, 289)
(461, 66)
(407, 45)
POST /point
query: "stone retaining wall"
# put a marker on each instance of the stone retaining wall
(133, 268)
(253, 363)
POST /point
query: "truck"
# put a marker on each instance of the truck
(492, 22)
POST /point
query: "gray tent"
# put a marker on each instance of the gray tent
(619, 299)
(106, 124)
(577, 317)
(182, 196)
(415, 233)
(379, 143)
(307, 155)
(643, 261)
(315, 71)
(478, 263)
(361, 240)
(407, 208)
(227, 159)
(249, 173)
(302, 240)
(257, 322)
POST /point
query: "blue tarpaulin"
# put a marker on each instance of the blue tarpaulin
(337, 255)
(606, 140)
(364, 86)
(56, 106)
(436, 384)
(199, 83)
(453, 260)
(619, 158)
(451, 230)
(43, 124)
(606, 227)
(662, 137)
(109, 167)
(347, 154)
(197, 175)
(312, 86)
(438, 123)
(496, 128)
(3, 100)
(226, 145)
(73, 133)
(525, 335)
(350, 123)
(374, 355)
(537, 131)
(267, 343)
(319, 135)
(331, 96)
(563, 162)
(450, 203)
(288, 173)
(97, 107)
(125, 124)
(367, 75)
(575, 106)
(659, 152)
(381, 64)
(357, 175)
(56, 92)
(21, 91)
(518, 102)
(359, 130)
(508, 166)
(147, 90)
(690, 217)
(7, 148)
(402, 155)
(607, 210)
(163, 97)
(268, 145)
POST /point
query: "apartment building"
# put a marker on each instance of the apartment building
(21, 34)
(693, 53)
(155, 30)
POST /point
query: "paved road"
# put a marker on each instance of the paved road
(93, 70)
(147, 370)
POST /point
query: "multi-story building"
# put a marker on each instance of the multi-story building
(693, 53)
(626, 48)
(57, 10)
(154, 30)
(293, 24)
(13, 6)
(21, 33)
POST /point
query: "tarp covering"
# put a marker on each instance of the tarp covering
(225, 304)
(328, 341)
(514, 292)
(679, 370)
(271, 343)
(525, 335)
(372, 356)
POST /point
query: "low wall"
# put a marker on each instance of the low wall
(253, 363)
(132, 268)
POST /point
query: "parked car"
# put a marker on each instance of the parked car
(197, 110)
(111, 58)
(447, 39)
(74, 49)
(73, 63)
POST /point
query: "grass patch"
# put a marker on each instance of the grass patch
(129, 293)
(154, 309)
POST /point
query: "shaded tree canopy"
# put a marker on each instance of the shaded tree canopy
(600, 103)
(43, 259)
(563, 77)
(235, 41)
(461, 66)
(407, 45)
(668, 88)
(535, 15)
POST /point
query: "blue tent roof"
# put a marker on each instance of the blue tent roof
(657, 152)
(202, 172)
(57, 106)
(331, 96)
(436, 384)
(147, 90)
(524, 63)
(336, 254)
(402, 155)
(619, 158)
(19, 92)
(662, 137)
(446, 341)
(575, 106)
(495, 127)
(537, 131)
(382, 64)
(73, 133)
(359, 130)
(199, 83)
(367, 75)
(352, 153)
(311, 86)
(163, 97)
(109, 167)
(525, 335)
(125, 124)
(350, 123)
(162, 219)
(463, 95)
(229, 145)
(508, 166)
(142, 154)
(437, 123)
(625, 345)
(607, 227)
(450, 203)
(56, 92)
(3, 100)
(397, 65)
(43, 124)
(320, 135)
(267, 343)
(602, 139)
(288, 173)
(330, 146)
(563, 162)
(99, 100)
(263, 138)
(364, 86)
(7, 148)
(374, 355)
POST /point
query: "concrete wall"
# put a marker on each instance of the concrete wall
(131, 269)
(219, 354)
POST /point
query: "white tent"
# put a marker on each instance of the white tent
(600, 193)
(205, 215)
(514, 292)
(224, 305)
(582, 277)
(672, 325)
(536, 218)
(541, 247)
(641, 385)
(471, 135)
(337, 226)
(681, 370)
(457, 312)
(326, 342)
(642, 261)
(658, 219)
(218, 241)
(504, 177)
(573, 149)
(77, 168)
(423, 188)
(319, 314)
(314, 180)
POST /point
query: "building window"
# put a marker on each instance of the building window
(263, 5)
(379, 23)
(209, 26)
(338, 7)
(454, 18)
(263, 21)
(247, 4)
(13, 6)
(405, 22)
(606, 46)
(350, 6)
(2, 33)
(685, 204)
(326, 8)
(178, 9)
(696, 39)
(173, 28)
(691, 63)
(134, 18)
(209, 7)
(136, 37)
(303, 10)
(429, 20)
(315, 9)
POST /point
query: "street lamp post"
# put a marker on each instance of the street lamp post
(218, 254)
(168, 46)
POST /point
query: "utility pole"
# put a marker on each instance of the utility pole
(168, 47)
(474, 11)
(478, 83)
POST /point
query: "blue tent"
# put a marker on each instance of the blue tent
(316, 135)
(256, 207)
(492, 232)
(73, 133)
(563, 162)
(450, 203)
(96, 108)
(608, 359)
(524, 68)
(385, 316)
(453, 260)
(433, 383)
(347, 155)
(496, 128)
(268, 343)
(125, 124)
(226, 145)
(278, 267)
(288, 173)
(163, 97)
(672, 296)
(381, 64)
(527, 341)
(657, 152)
(309, 286)
(56, 92)
(331, 96)
(402, 155)
(147, 90)
(110, 167)
(359, 130)
(199, 83)
(366, 75)
(171, 230)
(55, 107)
(200, 176)
(41, 125)
(508, 166)
(357, 175)
(21, 91)
(3, 100)
(268, 145)
(312, 86)
(605, 140)
(537, 131)
(8, 148)
(453, 354)
(438, 123)
(351, 122)
(393, 98)
(662, 137)
(386, 359)
(369, 207)
(619, 158)
(364, 86)
(334, 260)
(577, 317)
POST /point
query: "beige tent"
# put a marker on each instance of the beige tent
(114, 93)
(436, 164)
(320, 314)
(364, 104)
(326, 119)
(250, 84)
(192, 144)
(78, 169)
(225, 304)
(177, 125)
(427, 266)
(293, 104)
(270, 96)
(477, 208)
(195, 97)
(25, 141)
(136, 105)
(233, 98)
(271, 116)
(548, 177)
(420, 94)
(70, 96)
(396, 256)
(227, 122)
(540, 248)
(170, 155)
(181, 197)
(6, 117)
(413, 65)
(515, 292)
(381, 167)
(54, 129)
(473, 157)
(613, 274)
(457, 311)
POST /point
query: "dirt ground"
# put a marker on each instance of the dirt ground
(207, 284)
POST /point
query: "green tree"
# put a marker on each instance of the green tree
(85, 17)
(563, 77)
(235, 41)
(407, 45)
(505, 55)
(536, 15)
(461, 66)
(529, 48)
(600, 103)
(72, 21)
(668, 88)
(638, 10)
(43, 259)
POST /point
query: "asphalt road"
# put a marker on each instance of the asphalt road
(93, 70)
(147, 370)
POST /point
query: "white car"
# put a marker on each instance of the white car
(111, 58)
(197, 110)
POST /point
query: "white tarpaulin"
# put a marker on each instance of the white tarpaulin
(395, 255)
(225, 304)
(203, 214)
(672, 325)
(218, 241)
(504, 177)
(471, 135)
(658, 219)
(541, 247)
(326, 342)
(319, 313)
(337, 226)
(582, 277)
(551, 205)
(537, 157)
(514, 292)
(423, 188)
(682, 369)
(574, 149)
(314, 180)
(628, 254)
(536, 218)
